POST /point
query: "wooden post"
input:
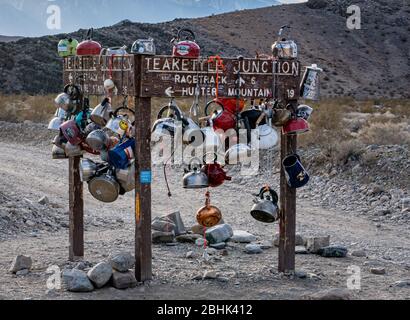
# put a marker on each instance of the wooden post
(143, 176)
(76, 236)
(288, 207)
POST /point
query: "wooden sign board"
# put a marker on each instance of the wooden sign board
(252, 78)
(92, 71)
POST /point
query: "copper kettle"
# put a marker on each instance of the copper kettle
(209, 215)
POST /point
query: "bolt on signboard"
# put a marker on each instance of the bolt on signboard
(145, 77)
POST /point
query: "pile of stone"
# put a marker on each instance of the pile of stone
(115, 272)
(21, 265)
(316, 245)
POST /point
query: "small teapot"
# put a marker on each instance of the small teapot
(266, 208)
(215, 173)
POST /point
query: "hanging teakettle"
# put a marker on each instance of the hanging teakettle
(186, 48)
(310, 86)
(167, 126)
(102, 113)
(89, 47)
(283, 48)
(209, 215)
(119, 124)
(215, 173)
(67, 47)
(266, 208)
(114, 51)
(58, 153)
(296, 126)
(237, 154)
(194, 178)
(304, 112)
(296, 174)
(144, 46)
(98, 140)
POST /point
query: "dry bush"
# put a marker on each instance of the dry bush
(390, 133)
(20, 108)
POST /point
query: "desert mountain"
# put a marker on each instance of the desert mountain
(371, 62)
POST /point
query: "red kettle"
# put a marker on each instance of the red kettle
(215, 172)
(187, 48)
(89, 47)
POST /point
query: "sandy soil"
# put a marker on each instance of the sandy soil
(27, 171)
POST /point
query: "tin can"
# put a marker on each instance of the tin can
(310, 87)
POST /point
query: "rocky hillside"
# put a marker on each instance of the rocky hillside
(371, 62)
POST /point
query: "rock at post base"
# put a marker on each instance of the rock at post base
(77, 281)
(253, 249)
(219, 233)
(21, 263)
(122, 262)
(179, 223)
(163, 224)
(123, 280)
(333, 252)
(100, 274)
(188, 238)
(313, 245)
(159, 237)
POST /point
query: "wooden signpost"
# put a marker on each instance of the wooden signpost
(145, 77)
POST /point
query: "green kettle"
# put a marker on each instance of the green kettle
(67, 47)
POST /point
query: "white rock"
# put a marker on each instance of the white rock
(240, 236)
(21, 263)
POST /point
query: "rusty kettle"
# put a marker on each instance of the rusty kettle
(266, 208)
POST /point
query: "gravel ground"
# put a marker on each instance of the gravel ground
(27, 173)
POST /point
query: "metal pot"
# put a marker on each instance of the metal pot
(63, 101)
(237, 154)
(195, 178)
(55, 124)
(60, 141)
(104, 188)
(267, 137)
(266, 209)
(98, 140)
(126, 178)
(58, 153)
(88, 170)
(209, 215)
(102, 113)
(73, 150)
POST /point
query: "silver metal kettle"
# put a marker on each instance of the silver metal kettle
(266, 208)
(194, 177)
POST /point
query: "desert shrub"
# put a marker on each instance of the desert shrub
(348, 151)
(385, 133)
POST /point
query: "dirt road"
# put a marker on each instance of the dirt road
(26, 171)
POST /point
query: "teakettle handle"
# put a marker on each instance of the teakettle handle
(186, 31)
(273, 194)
